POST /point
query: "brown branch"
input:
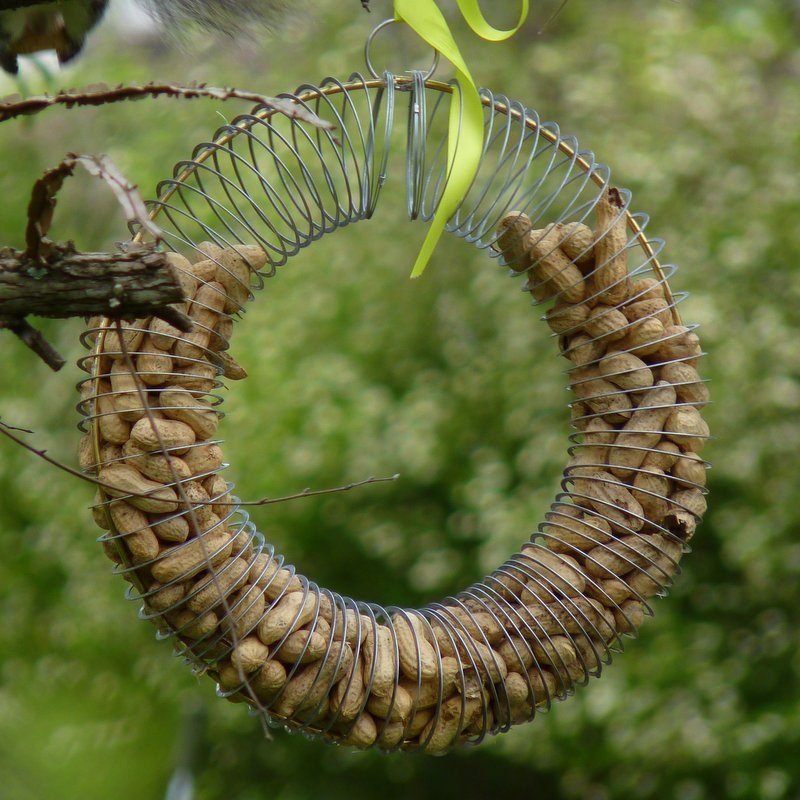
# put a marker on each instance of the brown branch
(552, 17)
(43, 198)
(171, 315)
(100, 94)
(54, 280)
(137, 282)
(6, 430)
(40, 210)
(308, 492)
(34, 339)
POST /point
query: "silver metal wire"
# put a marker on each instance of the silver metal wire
(368, 51)
(543, 622)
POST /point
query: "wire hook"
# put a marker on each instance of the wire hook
(371, 68)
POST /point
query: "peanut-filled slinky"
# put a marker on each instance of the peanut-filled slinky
(356, 673)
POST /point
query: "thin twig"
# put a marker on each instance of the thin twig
(170, 466)
(308, 492)
(15, 427)
(192, 514)
(6, 429)
(43, 198)
(15, 106)
(39, 249)
(36, 341)
(552, 17)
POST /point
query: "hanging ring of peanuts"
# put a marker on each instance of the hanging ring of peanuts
(356, 673)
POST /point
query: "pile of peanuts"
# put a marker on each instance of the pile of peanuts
(506, 647)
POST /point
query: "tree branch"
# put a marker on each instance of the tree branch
(66, 283)
(6, 430)
(43, 198)
(138, 282)
(34, 339)
(100, 94)
(309, 492)
(54, 280)
(119, 298)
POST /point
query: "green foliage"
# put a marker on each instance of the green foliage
(447, 380)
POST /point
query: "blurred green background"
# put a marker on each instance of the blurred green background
(357, 371)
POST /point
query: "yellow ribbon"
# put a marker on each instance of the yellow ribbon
(465, 133)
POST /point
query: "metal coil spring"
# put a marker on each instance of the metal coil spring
(546, 620)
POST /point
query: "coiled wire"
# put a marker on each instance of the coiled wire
(542, 616)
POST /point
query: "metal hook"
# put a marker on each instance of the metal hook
(371, 68)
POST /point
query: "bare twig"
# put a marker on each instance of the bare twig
(308, 492)
(40, 210)
(15, 427)
(552, 17)
(34, 339)
(100, 94)
(43, 198)
(54, 280)
(192, 514)
(6, 430)
(142, 395)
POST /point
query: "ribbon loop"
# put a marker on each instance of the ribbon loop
(471, 11)
(465, 133)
